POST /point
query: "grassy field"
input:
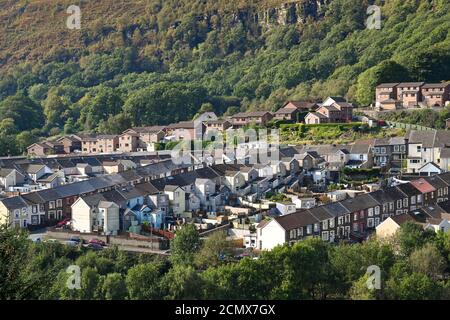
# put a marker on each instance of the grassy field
(332, 133)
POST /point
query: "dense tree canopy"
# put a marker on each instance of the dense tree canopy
(158, 62)
(413, 266)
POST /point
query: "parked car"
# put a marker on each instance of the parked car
(63, 223)
(94, 246)
(72, 243)
(97, 241)
(76, 239)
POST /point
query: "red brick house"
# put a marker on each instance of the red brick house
(301, 106)
(410, 93)
(289, 114)
(256, 117)
(436, 94)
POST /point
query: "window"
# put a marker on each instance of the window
(34, 208)
(59, 203)
(347, 218)
(51, 205)
(355, 227)
(325, 224)
(418, 148)
(300, 232)
(370, 212)
(355, 217)
(340, 220)
(370, 223)
(391, 206)
(325, 236)
(405, 202)
(419, 198)
(399, 203)
(331, 223)
(309, 229)
(413, 200)
(377, 221)
(292, 234)
(347, 231)
(316, 227)
(377, 211)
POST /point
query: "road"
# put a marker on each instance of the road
(41, 234)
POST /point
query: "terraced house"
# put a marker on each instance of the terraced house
(356, 218)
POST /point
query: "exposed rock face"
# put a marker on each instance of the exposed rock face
(288, 13)
(294, 12)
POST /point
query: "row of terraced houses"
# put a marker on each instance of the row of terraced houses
(356, 218)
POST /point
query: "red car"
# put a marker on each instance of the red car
(97, 242)
(63, 223)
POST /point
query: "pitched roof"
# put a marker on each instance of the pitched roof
(411, 84)
(387, 85)
(250, 114)
(436, 85)
(317, 114)
(408, 189)
(301, 104)
(12, 203)
(423, 186)
(296, 220)
(285, 111)
(360, 202)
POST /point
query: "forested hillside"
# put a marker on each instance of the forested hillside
(159, 61)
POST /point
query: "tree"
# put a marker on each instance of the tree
(114, 124)
(413, 286)
(7, 127)
(54, 108)
(25, 139)
(360, 290)
(428, 260)
(386, 71)
(185, 245)
(164, 102)
(13, 255)
(182, 282)
(412, 236)
(143, 281)
(24, 111)
(99, 105)
(114, 287)
(214, 250)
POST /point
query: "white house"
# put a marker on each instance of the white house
(427, 147)
(177, 199)
(10, 178)
(93, 214)
(303, 203)
(270, 234)
(285, 207)
(438, 225)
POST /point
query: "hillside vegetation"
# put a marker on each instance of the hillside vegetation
(161, 61)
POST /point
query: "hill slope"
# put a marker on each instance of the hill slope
(159, 61)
